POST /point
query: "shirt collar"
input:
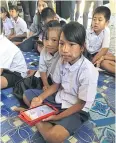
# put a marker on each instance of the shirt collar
(92, 31)
(16, 20)
(76, 65)
(6, 19)
(49, 56)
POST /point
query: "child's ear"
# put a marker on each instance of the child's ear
(107, 23)
(82, 49)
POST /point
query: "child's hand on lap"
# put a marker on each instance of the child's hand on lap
(37, 101)
(51, 118)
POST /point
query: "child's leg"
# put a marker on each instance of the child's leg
(52, 134)
(3, 83)
(27, 97)
(56, 131)
(108, 65)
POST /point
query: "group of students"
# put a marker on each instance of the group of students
(14, 27)
(69, 79)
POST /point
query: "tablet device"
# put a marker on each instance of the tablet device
(38, 113)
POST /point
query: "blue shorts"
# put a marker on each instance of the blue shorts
(31, 93)
(70, 123)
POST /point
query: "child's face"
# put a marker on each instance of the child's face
(41, 5)
(2, 15)
(13, 13)
(99, 23)
(52, 41)
(70, 51)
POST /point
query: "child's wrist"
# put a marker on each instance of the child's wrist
(41, 98)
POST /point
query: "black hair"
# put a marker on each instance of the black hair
(74, 32)
(103, 10)
(49, 3)
(47, 13)
(51, 24)
(3, 10)
(14, 7)
(1, 26)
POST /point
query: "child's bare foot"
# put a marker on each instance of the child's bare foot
(19, 109)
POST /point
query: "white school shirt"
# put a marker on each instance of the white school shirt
(11, 57)
(7, 26)
(94, 43)
(20, 26)
(48, 62)
(77, 81)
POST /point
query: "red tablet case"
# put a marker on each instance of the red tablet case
(30, 122)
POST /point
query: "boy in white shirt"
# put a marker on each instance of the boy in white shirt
(20, 26)
(12, 63)
(98, 39)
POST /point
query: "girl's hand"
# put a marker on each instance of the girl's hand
(51, 118)
(36, 101)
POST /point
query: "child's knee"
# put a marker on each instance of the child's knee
(26, 101)
(53, 137)
(56, 137)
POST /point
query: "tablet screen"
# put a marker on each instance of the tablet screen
(38, 111)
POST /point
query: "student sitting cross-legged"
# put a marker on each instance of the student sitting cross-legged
(74, 89)
(98, 40)
(20, 26)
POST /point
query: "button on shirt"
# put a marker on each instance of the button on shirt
(94, 42)
(20, 26)
(48, 62)
(11, 57)
(77, 81)
(7, 26)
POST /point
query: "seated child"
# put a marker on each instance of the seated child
(48, 58)
(8, 28)
(12, 63)
(47, 15)
(36, 25)
(98, 38)
(20, 26)
(74, 89)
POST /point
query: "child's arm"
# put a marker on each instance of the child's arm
(22, 35)
(104, 47)
(11, 34)
(108, 57)
(44, 80)
(50, 91)
(73, 109)
(43, 68)
(101, 53)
